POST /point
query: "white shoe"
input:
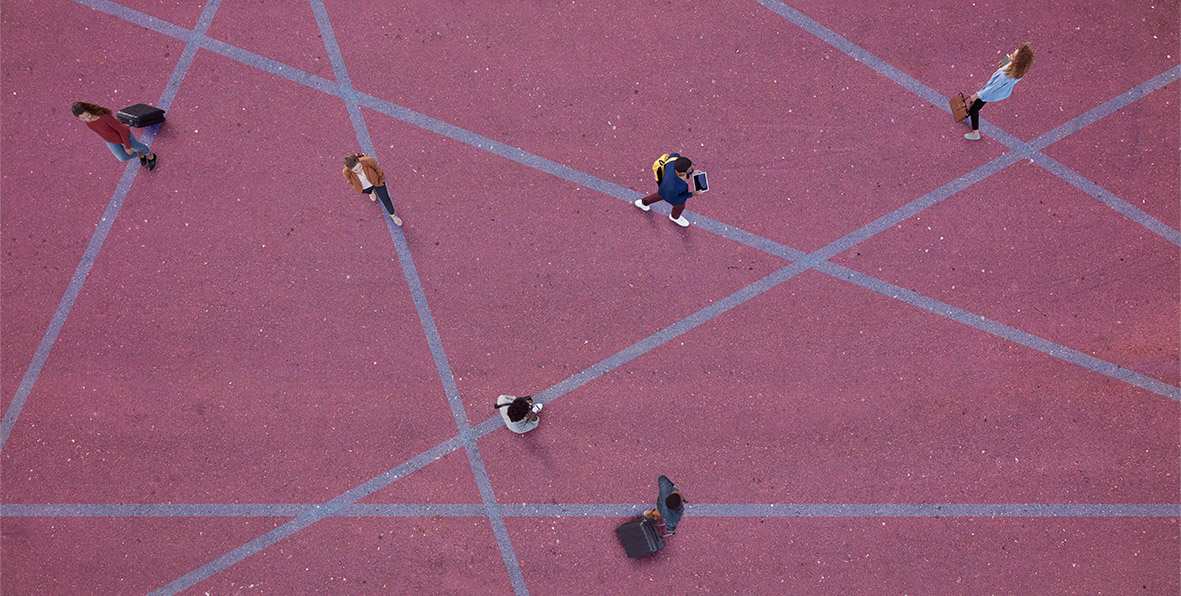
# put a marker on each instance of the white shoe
(537, 408)
(680, 221)
(972, 136)
(639, 203)
(397, 220)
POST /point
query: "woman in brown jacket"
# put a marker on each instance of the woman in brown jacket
(118, 137)
(364, 175)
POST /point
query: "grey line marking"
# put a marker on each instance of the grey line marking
(98, 238)
(1106, 108)
(410, 272)
(315, 82)
(604, 510)
(310, 516)
(1101, 194)
(736, 234)
(1013, 143)
(1002, 331)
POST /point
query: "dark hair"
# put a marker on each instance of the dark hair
(519, 408)
(81, 107)
(682, 164)
(350, 160)
(673, 501)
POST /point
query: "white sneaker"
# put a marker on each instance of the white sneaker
(640, 204)
(397, 220)
(680, 221)
(972, 136)
(537, 408)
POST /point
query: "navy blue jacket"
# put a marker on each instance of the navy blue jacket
(672, 189)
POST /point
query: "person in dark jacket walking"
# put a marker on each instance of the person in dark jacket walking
(1000, 86)
(673, 187)
(670, 506)
(116, 134)
(364, 175)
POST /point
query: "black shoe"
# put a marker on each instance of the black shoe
(152, 163)
(143, 161)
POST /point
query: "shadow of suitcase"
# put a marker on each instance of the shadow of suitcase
(639, 538)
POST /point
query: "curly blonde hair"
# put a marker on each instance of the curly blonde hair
(1019, 61)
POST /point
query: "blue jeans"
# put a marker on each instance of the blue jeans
(121, 154)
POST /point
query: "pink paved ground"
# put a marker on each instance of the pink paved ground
(247, 335)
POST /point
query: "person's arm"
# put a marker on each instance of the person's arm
(120, 129)
(379, 176)
(352, 180)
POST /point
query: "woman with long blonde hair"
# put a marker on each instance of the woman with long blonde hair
(999, 86)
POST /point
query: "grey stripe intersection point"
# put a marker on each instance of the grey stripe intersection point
(483, 483)
(326, 86)
(933, 97)
(607, 510)
(310, 516)
(738, 235)
(99, 236)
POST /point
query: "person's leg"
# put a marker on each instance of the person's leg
(974, 113)
(384, 194)
(146, 157)
(120, 153)
(676, 217)
(678, 210)
(643, 203)
(140, 148)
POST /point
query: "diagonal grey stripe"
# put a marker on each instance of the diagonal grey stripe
(434, 341)
(1016, 145)
(321, 84)
(99, 236)
(738, 235)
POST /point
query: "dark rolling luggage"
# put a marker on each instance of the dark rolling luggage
(639, 538)
(140, 115)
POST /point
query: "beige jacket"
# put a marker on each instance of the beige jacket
(372, 172)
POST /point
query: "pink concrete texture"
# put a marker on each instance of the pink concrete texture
(112, 556)
(180, 12)
(1133, 154)
(859, 556)
(536, 279)
(1031, 251)
(764, 107)
(812, 393)
(1085, 52)
(52, 58)
(282, 31)
(246, 334)
(446, 480)
(374, 556)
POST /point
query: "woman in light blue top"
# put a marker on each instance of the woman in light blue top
(999, 86)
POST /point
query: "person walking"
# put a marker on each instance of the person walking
(116, 134)
(670, 506)
(520, 414)
(364, 175)
(673, 186)
(1000, 86)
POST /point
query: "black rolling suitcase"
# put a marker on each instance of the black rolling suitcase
(140, 115)
(639, 538)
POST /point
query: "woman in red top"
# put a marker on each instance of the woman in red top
(118, 137)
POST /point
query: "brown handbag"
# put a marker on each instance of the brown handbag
(959, 107)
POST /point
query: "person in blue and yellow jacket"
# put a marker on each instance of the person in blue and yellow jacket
(674, 179)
